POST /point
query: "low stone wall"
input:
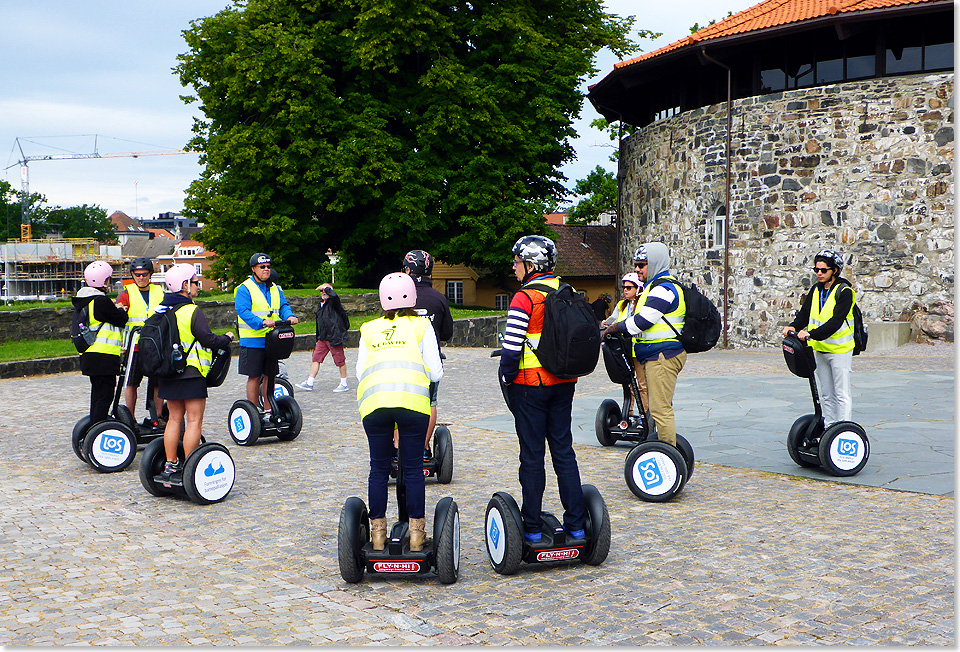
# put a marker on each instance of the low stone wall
(472, 332)
(50, 323)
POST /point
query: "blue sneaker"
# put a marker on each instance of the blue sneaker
(532, 537)
(577, 534)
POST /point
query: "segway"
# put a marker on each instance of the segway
(110, 446)
(843, 448)
(207, 477)
(440, 464)
(246, 422)
(507, 547)
(355, 551)
(653, 470)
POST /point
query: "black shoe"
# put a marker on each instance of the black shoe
(172, 472)
(427, 455)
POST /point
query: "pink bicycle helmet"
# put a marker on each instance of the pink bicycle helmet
(97, 273)
(397, 291)
(177, 275)
(631, 277)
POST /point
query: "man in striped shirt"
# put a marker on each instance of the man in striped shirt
(541, 403)
(660, 307)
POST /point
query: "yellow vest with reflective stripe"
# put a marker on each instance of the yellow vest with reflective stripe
(109, 337)
(138, 311)
(259, 307)
(842, 340)
(394, 374)
(660, 331)
(622, 314)
(199, 357)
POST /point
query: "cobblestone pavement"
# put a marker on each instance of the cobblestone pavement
(739, 557)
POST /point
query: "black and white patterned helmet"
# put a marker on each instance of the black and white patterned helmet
(419, 262)
(537, 250)
(640, 254)
(831, 258)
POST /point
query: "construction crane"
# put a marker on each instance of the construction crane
(25, 222)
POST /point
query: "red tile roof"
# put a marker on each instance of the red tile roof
(585, 250)
(772, 13)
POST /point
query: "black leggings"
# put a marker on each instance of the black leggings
(101, 395)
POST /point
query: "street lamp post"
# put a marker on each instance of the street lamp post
(334, 259)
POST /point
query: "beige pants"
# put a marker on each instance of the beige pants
(642, 383)
(661, 380)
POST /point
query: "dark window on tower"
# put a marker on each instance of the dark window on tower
(903, 53)
(772, 79)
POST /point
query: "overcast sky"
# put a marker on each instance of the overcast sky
(105, 67)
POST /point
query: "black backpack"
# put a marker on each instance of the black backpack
(159, 351)
(701, 323)
(81, 334)
(570, 341)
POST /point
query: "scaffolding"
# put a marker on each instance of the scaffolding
(50, 268)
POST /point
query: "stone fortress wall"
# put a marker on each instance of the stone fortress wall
(864, 167)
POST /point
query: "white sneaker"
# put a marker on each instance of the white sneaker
(305, 386)
(341, 388)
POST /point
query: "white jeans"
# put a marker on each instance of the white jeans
(833, 385)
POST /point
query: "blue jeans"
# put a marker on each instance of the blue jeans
(542, 417)
(412, 426)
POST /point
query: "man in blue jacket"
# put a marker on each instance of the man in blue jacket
(259, 305)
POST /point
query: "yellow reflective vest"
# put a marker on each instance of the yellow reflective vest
(259, 307)
(198, 357)
(660, 331)
(394, 374)
(109, 337)
(138, 311)
(842, 340)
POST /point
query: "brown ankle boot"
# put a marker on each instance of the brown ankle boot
(418, 535)
(378, 533)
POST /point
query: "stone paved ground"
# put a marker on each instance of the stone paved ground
(739, 557)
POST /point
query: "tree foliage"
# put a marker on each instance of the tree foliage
(77, 222)
(377, 126)
(599, 192)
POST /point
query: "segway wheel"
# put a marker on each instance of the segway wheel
(151, 465)
(79, 432)
(282, 387)
(687, 451)
(447, 549)
(504, 537)
(209, 474)
(655, 471)
(244, 423)
(443, 451)
(795, 441)
(608, 416)
(352, 534)
(289, 412)
(844, 449)
(598, 526)
(109, 446)
(125, 416)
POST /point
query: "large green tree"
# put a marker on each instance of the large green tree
(376, 126)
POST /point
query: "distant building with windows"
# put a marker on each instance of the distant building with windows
(793, 126)
(192, 253)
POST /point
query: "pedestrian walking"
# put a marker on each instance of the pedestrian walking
(332, 326)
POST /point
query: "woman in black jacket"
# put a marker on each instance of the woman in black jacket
(332, 327)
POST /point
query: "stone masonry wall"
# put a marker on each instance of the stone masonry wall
(862, 167)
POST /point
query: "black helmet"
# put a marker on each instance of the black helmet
(537, 250)
(259, 259)
(419, 262)
(831, 258)
(274, 277)
(141, 263)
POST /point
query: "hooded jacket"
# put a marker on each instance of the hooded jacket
(661, 300)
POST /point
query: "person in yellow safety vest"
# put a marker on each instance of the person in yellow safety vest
(186, 394)
(139, 305)
(621, 312)
(397, 360)
(259, 304)
(659, 352)
(825, 320)
(101, 361)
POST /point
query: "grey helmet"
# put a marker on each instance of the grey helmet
(831, 258)
(538, 251)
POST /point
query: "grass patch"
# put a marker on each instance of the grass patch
(36, 349)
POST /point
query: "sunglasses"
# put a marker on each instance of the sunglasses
(192, 282)
(264, 266)
(141, 274)
(640, 264)
(821, 270)
(629, 287)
